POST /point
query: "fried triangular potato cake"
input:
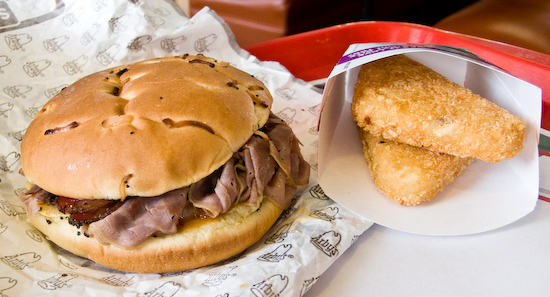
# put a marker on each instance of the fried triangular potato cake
(402, 100)
(407, 174)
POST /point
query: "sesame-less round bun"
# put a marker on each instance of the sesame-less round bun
(197, 243)
(143, 129)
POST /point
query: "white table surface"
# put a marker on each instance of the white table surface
(513, 260)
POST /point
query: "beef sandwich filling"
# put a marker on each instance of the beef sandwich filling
(269, 165)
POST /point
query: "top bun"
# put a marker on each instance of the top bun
(143, 129)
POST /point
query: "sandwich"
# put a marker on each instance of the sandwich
(420, 130)
(160, 166)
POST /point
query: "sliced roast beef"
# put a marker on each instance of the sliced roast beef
(260, 167)
(215, 194)
(139, 218)
(285, 149)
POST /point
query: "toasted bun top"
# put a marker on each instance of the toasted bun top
(143, 129)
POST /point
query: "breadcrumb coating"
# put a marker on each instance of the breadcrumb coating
(406, 174)
(400, 99)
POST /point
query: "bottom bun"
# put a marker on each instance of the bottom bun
(197, 243)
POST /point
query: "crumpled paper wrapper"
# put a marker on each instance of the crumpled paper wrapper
(47, 45)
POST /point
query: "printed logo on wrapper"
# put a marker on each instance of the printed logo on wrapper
(21, 261)
(55, 90)
(289, 210)
(17, 135)
(272, 287)
(118, 24)
(97, 5)
(35, 235)
(162, 11)
(328, 213)
(107, 56)
(59, 281)
(6, 283)
(54, 44)
(327, 243)
(155, 20)
(36, 68)
(17, 41)
(314, 166)
(314, 131)
(166, 289)
(318, 193)
(137, 43)
(16, 211)
(4, 61)
(218, 278)
(67, 263)
(315, 110)
(7, 162)
(170, 44)
(31, 111)
(280, 235)
(287, 114)
(88, 36)
(72, 17)
(278, 254)
(4, 108)
(118, 280)
(74, 66)
(202, 44)
(286, 93)
(17, 91)
(262, 76)
(19, 191)
(308, 283)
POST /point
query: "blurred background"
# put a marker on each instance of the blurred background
(524, 23)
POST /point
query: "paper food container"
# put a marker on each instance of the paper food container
(484, 197)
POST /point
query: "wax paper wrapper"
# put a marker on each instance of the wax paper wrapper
(47, 45)
(484, 197)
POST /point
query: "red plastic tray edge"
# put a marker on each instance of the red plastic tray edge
(312, 55)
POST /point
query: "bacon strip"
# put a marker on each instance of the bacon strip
(86, 211)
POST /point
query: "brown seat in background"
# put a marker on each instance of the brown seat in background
(524, 23)
(254, 21)
(260, 20)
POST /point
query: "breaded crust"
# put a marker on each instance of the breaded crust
(402, 100)
(407, 174)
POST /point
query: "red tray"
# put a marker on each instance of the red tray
(312, 55)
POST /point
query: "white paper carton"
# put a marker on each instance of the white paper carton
(484, 197)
